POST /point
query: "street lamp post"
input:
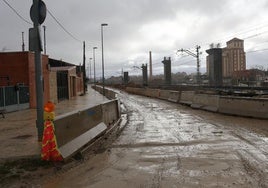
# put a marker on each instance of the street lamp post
(94, 48)
(89, 74)
(102, 25)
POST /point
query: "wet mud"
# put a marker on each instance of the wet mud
(169, 145)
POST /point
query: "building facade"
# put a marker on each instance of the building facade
(222, 63)
(233, 58)
(61, 80)
(19, 70)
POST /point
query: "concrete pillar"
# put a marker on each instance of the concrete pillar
(167, 70)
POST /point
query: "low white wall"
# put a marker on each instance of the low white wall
(241, 106)
(206, 102)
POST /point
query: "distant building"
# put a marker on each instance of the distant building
(66, 80)
(223, 62)
(19, 70)
(233, 58)
(252, 77)
(61, 80)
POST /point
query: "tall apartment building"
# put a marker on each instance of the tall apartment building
(233, 58)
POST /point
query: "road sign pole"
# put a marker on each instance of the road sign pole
(38, 13)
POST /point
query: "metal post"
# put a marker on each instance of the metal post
(102, 25)
(23, 45)
(94, 48)
(198, 64)
(89, 74)
(84, 67)
(151, 65)
(45, 47)
(197, 58)
(38, 74)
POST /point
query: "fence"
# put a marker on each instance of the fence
(13, 98)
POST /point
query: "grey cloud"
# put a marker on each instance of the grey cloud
(207, 21)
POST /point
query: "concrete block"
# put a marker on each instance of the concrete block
(206, 102)
(71, 125)
(164, 94)
(174, 96)
(244, 106)
(77, 143)
(110, 112)
(151, 92)
(187, 97)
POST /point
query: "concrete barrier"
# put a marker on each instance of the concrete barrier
(174, 96)
(76, 129)
(206, 102)
(243, 106)
(152, 92)
(110, 112)
(110, 94)
(164, 94)
(131, 90)
(141, 91)
(136, 91)
(187, 97)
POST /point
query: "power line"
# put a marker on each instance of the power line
(239, 33)
(253, 51)
(16, 12)
(71, 35)
(255, 35)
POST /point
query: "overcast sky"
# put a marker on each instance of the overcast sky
(136, 27)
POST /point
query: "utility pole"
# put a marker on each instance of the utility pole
(84, 67)
(23, 45)
(94, 67)
(90, 78)
(151, 65)
(38, 15)
(45, 45)
(197, 59)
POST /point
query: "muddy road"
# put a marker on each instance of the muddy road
(168, 145)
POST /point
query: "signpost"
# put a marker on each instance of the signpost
(38, 15)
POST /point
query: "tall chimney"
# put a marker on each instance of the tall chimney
(151, 66)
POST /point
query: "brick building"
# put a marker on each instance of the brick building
(17, 72)
(19, 69)
(233, 57)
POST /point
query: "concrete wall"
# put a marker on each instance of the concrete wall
(164, 94)
(71, 125)
(152, 92)
(174, 96)
(206, 102)
(187, 97)
(76, 129)
(110, 112)
(241, 106)
(136, 91)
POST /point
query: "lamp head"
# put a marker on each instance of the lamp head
(104, 24)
